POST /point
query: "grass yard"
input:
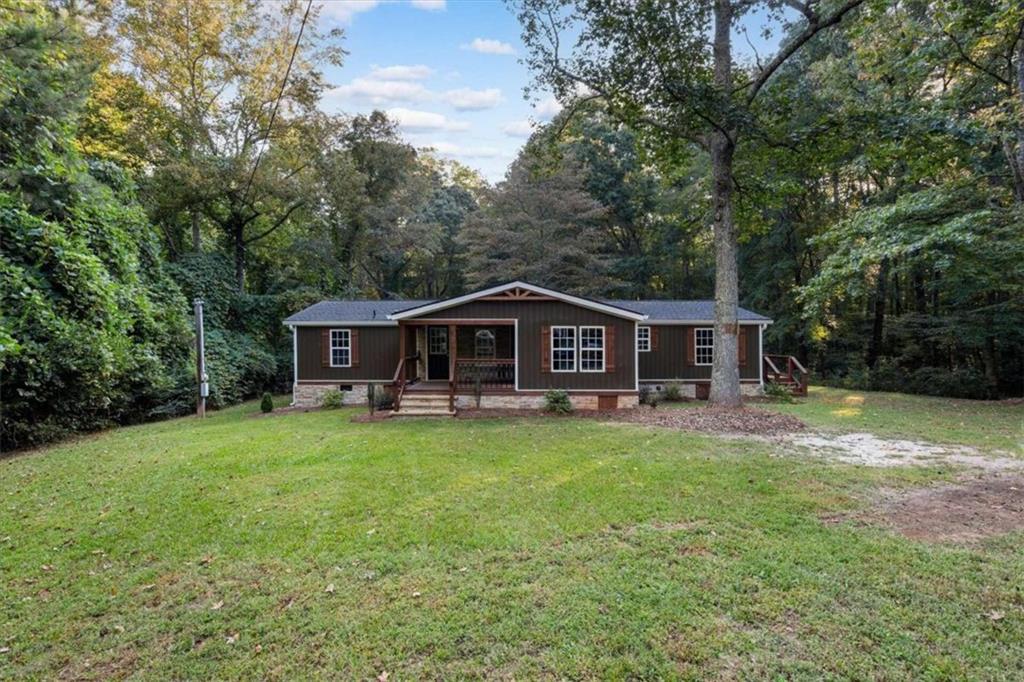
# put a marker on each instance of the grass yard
(304, 545)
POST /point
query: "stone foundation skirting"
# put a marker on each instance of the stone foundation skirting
(535, 401)
(310, 395)
(689, 389)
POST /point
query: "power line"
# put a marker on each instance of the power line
(277, 102)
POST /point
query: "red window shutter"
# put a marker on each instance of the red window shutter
(741, 346)
(545, 348)
(690, 341)
(609, 349)
(325, 347)
(654, 338)
(354, 340)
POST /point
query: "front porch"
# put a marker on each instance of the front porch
(453, 357)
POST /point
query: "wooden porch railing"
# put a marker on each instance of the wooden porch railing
(787, 371)
(398, 381)
(492, 373)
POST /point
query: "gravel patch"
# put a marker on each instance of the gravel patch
(869, 450)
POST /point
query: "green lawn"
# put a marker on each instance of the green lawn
(562, 548)
(983, 424)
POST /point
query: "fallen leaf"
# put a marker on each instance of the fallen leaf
(258, 648)
(232, 638)
(415, 594)
(47, 567)
(217, 606)
(329, 589)
(996, 615)
(4, 649)
(383, 676)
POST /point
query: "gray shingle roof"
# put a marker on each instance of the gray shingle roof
(683, 310)
(352, 311)
(378, 311)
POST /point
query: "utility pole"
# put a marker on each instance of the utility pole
(201, 377)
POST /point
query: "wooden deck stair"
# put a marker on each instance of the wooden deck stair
(786, 370)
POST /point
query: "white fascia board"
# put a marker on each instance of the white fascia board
(568, 298)
(665, 323)
(344, 323)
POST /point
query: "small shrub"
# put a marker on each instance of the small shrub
(267, 404)
(644, 395)
(557, 401)
(331, 399)
(383, 400)
(478, 390)
(777, 393)
(653, 400)
(672, 393)
(371, 397)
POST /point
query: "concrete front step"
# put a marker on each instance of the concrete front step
(423, 412)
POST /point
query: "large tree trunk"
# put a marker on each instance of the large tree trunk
(197, 244)
(725, 371)
(238, 237)
(878, 322)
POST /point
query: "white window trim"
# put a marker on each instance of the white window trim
(575, 349)
(330, 337)
(648, 339)
(696, 355)
(604, 346)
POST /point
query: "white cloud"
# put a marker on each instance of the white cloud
(470, 152)
(344, 11)
(548, 107)
(429, 5)
(401, 72)
(415, 120)
(489, 46)
(465, 99)
(523, 128)
(380, 91)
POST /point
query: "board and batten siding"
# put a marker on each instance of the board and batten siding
(378, 355)
(674, 346)
(533, 316)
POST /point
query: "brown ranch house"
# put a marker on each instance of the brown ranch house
(509, 344)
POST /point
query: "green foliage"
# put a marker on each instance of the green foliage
(331, 399)
(672, 393)
(777, 393)
(267, 403)
(557, 401)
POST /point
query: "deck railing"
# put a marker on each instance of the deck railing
(491, 373)
(398, 381)
(787, 371)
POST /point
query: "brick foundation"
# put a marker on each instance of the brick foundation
(310, 395)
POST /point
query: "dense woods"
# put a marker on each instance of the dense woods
(152, 152)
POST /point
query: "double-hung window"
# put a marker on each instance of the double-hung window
(591, 349)
(341, 348)
(643, 339)
(703, 345)
(563, 349)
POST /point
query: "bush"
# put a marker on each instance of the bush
(653, 400)
(672, 393)
(267, 404)
(557, 401)
(777, 393)
(383, 400)
(331, 399)
(644, 395)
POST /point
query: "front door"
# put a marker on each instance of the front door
(437, 353)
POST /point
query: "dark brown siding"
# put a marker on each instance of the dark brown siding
(533, 315)
(378, 355)
(669, 361)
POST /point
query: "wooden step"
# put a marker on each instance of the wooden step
(423, 412)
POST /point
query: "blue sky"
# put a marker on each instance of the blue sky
(448, 72)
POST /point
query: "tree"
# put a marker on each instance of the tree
(240, 80)
(539, 225)
(654, 66)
